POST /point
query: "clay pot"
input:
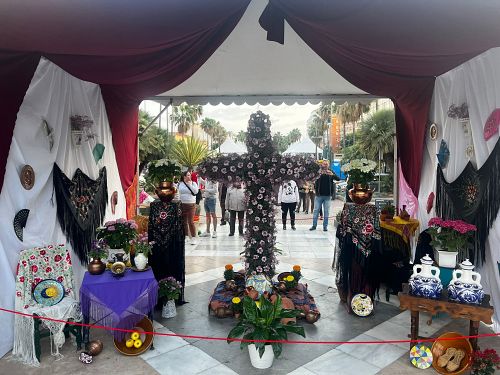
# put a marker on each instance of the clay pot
(282, 286)
(94, 347)
(165, 191)
(96, 267)
(312, 317)
(287, 303)
(251, 292)
(220, 312)
(237, 315)
(360, 194)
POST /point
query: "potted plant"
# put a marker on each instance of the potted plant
(261, 321)
(160, 177)
(237, 306)
(485, 362)
(169, 290)
(387, 212)
(229, 277)
(97, 253)
(448, 237)
(361, 172)
(118, 234)
(142, 248)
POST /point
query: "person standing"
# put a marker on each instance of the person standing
(311, 195)
(210, 200)
(235, 203)
(325, 190)
(302, 198)
(222, 200)
(187, 192)
(288, 196)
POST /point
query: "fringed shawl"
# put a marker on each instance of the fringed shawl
(474, 197)
(81, 205)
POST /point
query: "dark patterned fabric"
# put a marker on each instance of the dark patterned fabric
(166, 229)
(362, 222)
(474, 197)
(81, 205)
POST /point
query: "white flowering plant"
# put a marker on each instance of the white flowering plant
(360, 171)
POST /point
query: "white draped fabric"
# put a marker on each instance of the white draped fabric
(53, 95)
(477, 83)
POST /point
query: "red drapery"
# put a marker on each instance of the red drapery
(392, 48)
(133, 49)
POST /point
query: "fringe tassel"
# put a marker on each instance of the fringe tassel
(450, 201)
(79, 231)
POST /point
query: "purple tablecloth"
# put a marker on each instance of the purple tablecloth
(118, 302)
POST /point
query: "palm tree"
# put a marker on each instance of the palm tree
(209, 125)
(241, 137)
(219, 135)
(185, 116)
(350, 113)
(377, 136)
(294, 135)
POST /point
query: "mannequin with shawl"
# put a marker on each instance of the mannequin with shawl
(166, 229)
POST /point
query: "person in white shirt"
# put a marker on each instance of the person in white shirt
(236, 205)
(210, 202)
(187, 192)
(288, 196)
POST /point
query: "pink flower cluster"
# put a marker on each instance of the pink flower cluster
(110, 225)
(456, 225)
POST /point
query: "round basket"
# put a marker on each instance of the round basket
(440, 347)
(145, 325)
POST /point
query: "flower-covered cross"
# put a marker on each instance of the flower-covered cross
(259, 169)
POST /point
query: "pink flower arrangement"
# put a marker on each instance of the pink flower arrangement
(450, 235)
(118, 233)
(142, 244)
(486, 362)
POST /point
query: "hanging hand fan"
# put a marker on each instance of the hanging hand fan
(20, 222)
(444, 154)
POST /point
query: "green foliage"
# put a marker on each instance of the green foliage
(241, 136)
(190, 152)
(281, 142)
(184, 116)
(351, 112)
(118, 233)
(352, 152)
(229, 274)
(376, 135)
(389, 209)
(154, 143)
(161, 170)
(169, 289)
(264, 323)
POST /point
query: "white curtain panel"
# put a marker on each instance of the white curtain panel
(477, 83)
(53, 95)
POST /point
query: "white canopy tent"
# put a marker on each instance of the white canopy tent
(304, 146)
(229, 147)
(247, 68)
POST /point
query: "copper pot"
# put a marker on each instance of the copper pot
(94, 347)
(96, 267)
(360, 194)
(165, 191)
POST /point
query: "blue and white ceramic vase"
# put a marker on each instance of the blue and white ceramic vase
(465, 286)
(425, 282)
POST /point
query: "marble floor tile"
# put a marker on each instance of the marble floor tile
(163, 344)
(338, 362)
(184, 360)
(218, 370)
(389, 331)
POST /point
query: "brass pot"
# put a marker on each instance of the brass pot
(312, 317)
(94, 347)
(165, 191)
(360, 194)
(96, 267)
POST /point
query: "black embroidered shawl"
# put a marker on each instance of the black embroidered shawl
(474, 197)
(81, 205)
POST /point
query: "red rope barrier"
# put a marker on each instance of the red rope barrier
(208, 338)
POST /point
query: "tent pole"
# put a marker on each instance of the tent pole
(153, 121)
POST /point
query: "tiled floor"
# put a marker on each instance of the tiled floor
(204, 267)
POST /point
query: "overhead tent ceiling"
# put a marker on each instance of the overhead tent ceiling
(247, 68)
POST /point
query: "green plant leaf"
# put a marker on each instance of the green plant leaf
(236, 332)
(286, 313)
(247, 336)
(249, 309)
(294, 328)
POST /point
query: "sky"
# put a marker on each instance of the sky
(235, 117)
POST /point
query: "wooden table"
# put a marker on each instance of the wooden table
(474, 313)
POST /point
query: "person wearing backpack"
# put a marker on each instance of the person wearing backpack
(188, 190)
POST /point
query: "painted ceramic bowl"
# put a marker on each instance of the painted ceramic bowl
(260, 283)
(361, 305)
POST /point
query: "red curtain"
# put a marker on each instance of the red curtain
(133, 49)
(392, 48)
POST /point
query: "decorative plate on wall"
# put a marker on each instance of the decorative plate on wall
(433, 131)
(27, 177)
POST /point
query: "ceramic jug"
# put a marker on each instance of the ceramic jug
(465, 286)
(425, 281)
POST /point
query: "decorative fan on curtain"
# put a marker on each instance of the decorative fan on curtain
(474, 197)
(81, 205)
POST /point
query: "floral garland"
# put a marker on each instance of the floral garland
(259, 170)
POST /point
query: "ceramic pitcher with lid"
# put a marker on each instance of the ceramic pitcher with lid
(425, 281)
(466, 274)
(465, 286)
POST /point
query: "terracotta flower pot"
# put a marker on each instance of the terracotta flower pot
(360, 194)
